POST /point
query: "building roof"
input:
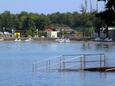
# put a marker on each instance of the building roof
(111, 28)
(49, 30)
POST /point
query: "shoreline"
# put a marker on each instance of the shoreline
(10, 39)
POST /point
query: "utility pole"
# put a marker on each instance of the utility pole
(97, 5)
(85, 6)
(37, 33)
(91, 6)
(12, 32)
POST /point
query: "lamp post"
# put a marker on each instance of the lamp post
(62, 33)
(97, 3)
(3, 31)
(12, 32)
(37, 32)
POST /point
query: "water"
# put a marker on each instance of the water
(16, 60)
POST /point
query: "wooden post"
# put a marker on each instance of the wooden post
(81, 63)
(63, 62)
(49, 65)
(84, 62)
(104, 60)
(100, 60)
(60, 63)
(46, 65)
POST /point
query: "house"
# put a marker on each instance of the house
(51, 33)
(1, 34)
(17, 34)
(112, 32)
(7, 34)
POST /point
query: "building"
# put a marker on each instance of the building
(112, 32)
(7, 34)
(51, 33)
(17, 34)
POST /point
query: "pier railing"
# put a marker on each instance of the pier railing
(75, 62)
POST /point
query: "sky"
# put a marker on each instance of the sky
(45, 6)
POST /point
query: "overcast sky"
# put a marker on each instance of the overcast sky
(45, 6)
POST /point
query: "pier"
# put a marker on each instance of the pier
(77, 62)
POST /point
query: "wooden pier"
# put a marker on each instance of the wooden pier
(78, 62)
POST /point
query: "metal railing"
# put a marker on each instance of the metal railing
(69, 62)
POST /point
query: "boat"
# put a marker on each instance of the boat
(1, 39)
(97, 39)
(17, 40)
(108, 39)
(67, 40)
(29, 39)
(63, 40)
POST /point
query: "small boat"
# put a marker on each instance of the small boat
(1, 39)
(17, 40)
(108, 39)
(97, 39)
(63, 40)
(67, 40)
(29, 39)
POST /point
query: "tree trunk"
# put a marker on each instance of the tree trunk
(107, 32)
(99, 34)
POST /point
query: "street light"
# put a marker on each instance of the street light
(3, 29)
(12, 32)
(62, 33)
(37, 32)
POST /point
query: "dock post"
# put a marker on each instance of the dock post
(60, 63)
(100, 60)
(63, 62)
(84, 61)
(104, 60)
(49, 65)
(81, 68)
(46, 65)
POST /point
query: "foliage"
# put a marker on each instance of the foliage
(108, 15)
(29, 32)
(29, 22)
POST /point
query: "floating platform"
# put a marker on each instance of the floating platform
(78, 62)
(96, 69)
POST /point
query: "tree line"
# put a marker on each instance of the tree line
(29, 23)
(107, 16)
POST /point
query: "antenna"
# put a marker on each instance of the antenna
(85, 5)
(97, 5)
(90, 6)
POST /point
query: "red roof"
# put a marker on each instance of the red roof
(48, 30)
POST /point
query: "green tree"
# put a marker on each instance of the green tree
(30, 32)
(108, 16)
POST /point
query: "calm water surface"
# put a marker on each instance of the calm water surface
(16, 60)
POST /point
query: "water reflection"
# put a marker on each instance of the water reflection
(86, 46)
(104, 47)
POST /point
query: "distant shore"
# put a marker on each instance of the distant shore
(10, 39)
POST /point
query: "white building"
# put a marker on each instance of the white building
(112, 32)
(52, 34)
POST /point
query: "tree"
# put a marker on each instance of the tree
(24, 21)
(8, 21)
(30, 31)
(108, 16)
